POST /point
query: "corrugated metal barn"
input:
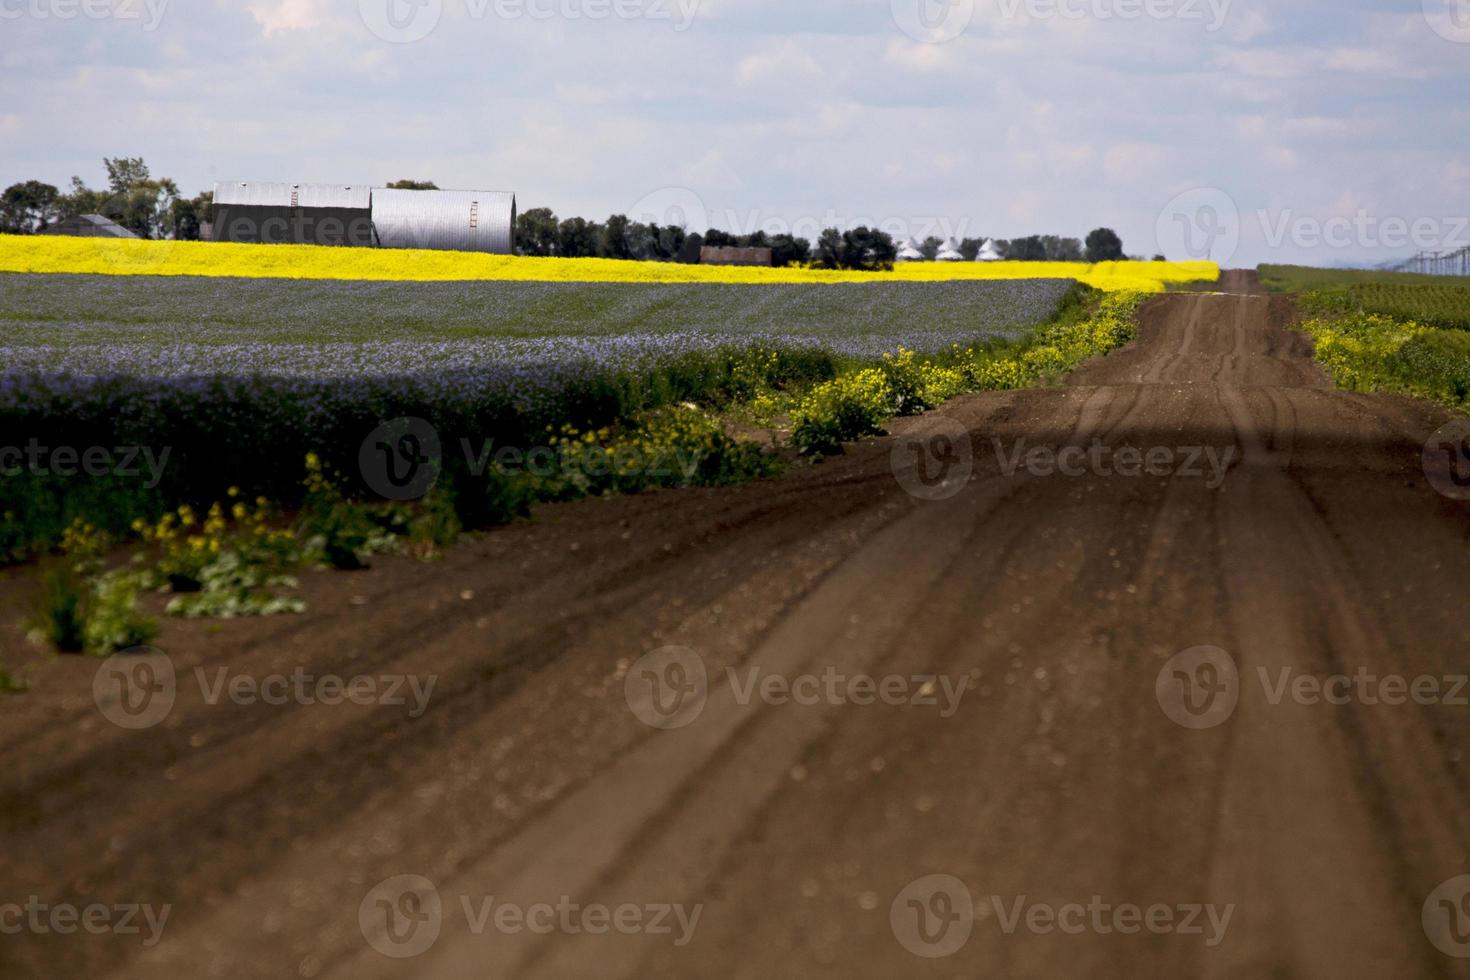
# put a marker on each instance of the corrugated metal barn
(463, 221)
(303, 214)
(364, 216)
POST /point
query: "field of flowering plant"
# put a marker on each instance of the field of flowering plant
(40, 254)
(231, 383)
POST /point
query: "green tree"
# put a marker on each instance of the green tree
(125, 173)
(576, 238)
(187, 215)
(28, 207)
(413, 185)
(134, 199)
(829, 250)
(536, 231)
(789, 250)
(930, 247)
(868, 249)
(614, 244)
(1104, 245)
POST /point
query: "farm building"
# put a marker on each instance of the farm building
(302, 214)
(89, 226)
(988, 252)
(949, 252)
(731, 255)
(463, 221)
(910, 252)
(364, 216)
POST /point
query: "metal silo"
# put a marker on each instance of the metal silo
(463, 221)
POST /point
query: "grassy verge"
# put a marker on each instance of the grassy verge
(239, 555)
(1365, 351)
(1385, 331)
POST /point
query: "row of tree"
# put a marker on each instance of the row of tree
(539, 232)
(147, 206)
(153, 208)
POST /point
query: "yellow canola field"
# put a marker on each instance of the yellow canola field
(121, 257)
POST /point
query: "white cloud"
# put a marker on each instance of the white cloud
(275, 16)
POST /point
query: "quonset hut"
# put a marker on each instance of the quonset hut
(254, 212)
(461, 221)
(363, 216)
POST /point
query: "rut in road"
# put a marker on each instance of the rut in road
(1059, 776)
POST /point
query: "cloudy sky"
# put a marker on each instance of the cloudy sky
(1320, 130)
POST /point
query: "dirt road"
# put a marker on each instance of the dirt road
(1101, 796)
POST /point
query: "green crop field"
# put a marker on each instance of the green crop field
(1302, 279)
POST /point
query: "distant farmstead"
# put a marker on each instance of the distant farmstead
(364, 216)
(731, 255)
(89, 226)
